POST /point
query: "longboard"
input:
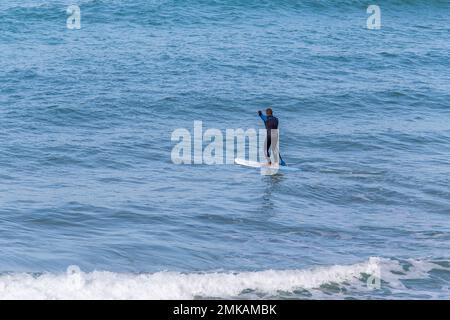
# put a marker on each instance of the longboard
(256, 164)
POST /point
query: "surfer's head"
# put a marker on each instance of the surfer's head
(269, 111)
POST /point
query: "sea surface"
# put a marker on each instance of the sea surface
(92, 206)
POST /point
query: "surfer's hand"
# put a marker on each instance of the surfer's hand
(259, 112)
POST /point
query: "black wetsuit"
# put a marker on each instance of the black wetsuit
(270, 122)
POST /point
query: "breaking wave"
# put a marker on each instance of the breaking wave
(343, 280)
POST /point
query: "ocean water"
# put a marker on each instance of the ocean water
(91, 205)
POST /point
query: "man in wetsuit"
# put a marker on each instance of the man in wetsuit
(272, 138)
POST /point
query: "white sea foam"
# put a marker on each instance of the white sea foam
(75, 284)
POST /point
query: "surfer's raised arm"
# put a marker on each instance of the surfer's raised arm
(263, 116)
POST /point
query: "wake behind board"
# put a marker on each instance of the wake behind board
(256, 164)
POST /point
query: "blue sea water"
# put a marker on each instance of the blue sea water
(91, 205)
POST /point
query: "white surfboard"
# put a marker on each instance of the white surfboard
(248, 163)
(256, 164)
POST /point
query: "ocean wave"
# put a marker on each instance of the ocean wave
(340, 279)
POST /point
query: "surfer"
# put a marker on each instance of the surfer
(272, 138)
